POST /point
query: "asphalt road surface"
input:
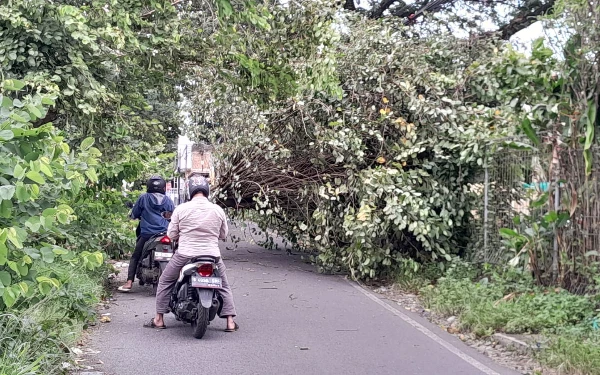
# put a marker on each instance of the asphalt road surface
(292, 321)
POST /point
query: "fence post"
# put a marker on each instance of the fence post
(485, 209)
(555, 244)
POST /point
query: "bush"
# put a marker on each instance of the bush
(37, 334)
(509, 301)
(507, 305)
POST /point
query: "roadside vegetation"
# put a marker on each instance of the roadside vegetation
(486, 300)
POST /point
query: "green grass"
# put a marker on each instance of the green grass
(35, 337)
(510, 302)
(574, 353)
(484, 308)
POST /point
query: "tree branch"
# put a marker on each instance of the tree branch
(378, 10)
(349, 5)
(525, 18)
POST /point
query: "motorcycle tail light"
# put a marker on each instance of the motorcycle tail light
(165, 240)
(205, 270)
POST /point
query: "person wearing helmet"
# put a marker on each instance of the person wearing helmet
(149, 209)
(198, 225)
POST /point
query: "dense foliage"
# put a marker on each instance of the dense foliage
(86, 101)
(387, 168)
(380, 171)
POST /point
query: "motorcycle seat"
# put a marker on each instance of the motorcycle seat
(205, 258)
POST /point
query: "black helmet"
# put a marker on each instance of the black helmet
(198, 183)
(156, 184)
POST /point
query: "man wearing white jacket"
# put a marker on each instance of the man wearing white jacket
(198, 225)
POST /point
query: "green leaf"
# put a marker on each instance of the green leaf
(5, 278)
(6, 102)
(13, 266)
(529, 131)
(75, 186)
(13, 85)
(6, 208)
(9, 297)
(36, 177)
(91, 174)
(542, 200)
(19, 171)
(6, 135)
(587, 156)
(62, 217)
(522, 70)
(16, 236)
(45, 284)
(509, 233)
(22, 193)
(23, 287)
(23, 269)
(32, 156)
(60, 251)
(20, 117)
(47, 101)
(551, 217)
(34, 224)
(224, 8)
(7, 192)
(590, 125)
(47, 254)
(519, 146)
(49, 212)
(87, 143)
(3, 254)
(44, 288)
(34, 111)
(52, 281)
(45, 169)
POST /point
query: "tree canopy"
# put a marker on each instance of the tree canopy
(507, 17)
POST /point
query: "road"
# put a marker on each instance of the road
(292, 321)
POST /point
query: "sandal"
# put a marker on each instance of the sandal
(122, 289)
(151, 324)
(236, 327)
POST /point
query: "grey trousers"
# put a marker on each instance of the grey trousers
(169, 277)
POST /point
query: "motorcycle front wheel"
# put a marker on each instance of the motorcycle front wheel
(201, 323)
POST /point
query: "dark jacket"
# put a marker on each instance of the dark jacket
(148, 209)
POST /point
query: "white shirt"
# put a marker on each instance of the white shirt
(198, 225)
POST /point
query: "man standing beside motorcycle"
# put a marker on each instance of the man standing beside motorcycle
(198, 225)
(149, 209)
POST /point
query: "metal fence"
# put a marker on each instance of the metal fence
(509, 184)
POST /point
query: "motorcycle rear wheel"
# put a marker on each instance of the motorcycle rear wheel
(161, 268)
(201, 323)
